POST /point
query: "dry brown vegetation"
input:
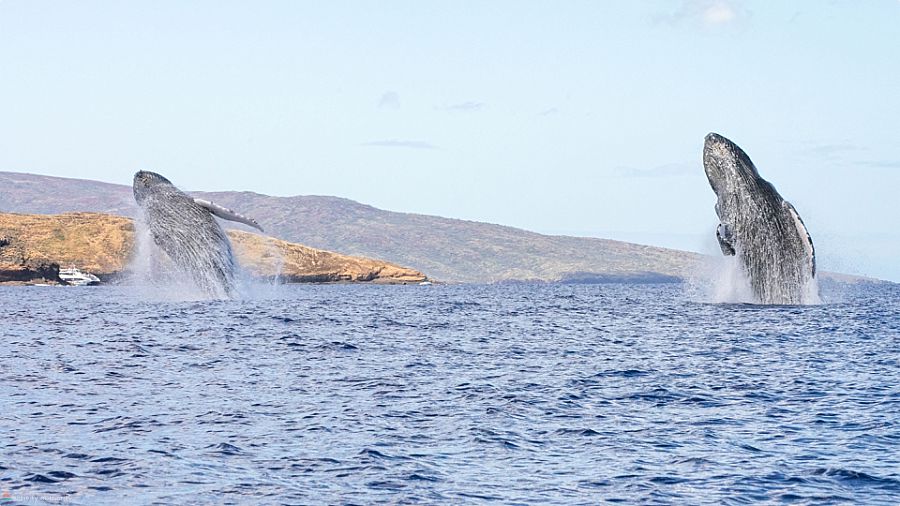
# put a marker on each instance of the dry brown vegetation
(267, 256)
(103, 244)
(97, 243)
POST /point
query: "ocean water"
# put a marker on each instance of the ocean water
(517, 394)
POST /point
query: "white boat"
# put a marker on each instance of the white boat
(75, 277)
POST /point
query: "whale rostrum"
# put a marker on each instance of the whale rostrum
(184, 228)
(761, 228)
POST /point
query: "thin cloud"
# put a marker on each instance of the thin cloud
(666, 170)
(707, 13)
(398, 143)
(719, 13)
(465, 107)
(846, 154)
(833, 150)
(549, 112)
(829, 152)
(881, 164)
(389, 100)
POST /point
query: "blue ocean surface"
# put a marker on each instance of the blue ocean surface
(506, 394)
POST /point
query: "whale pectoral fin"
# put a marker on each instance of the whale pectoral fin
(723, 234)
(801, 229)
(227, 214)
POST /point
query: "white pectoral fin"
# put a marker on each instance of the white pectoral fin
(227, 214)
(801, 230)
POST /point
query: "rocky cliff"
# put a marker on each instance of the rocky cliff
(33, 247)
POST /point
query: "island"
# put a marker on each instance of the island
(33, 247)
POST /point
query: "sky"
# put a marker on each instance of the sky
(578, 117)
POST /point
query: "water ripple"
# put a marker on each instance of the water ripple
(520, 394)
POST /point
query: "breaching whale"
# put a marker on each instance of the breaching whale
(184, 228)
(760, 227)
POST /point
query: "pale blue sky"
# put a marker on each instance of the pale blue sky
(582, 118)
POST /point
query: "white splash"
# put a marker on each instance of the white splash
(721, 280)
(153, 276)
(266, 285)
(724, 280)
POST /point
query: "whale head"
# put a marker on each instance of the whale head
(146, 183)
(727, 166)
